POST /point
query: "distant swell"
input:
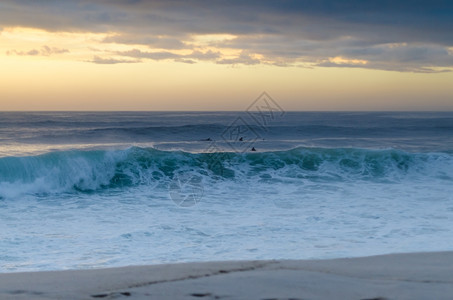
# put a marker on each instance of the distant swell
(91, 171)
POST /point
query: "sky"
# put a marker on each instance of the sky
(221, 55)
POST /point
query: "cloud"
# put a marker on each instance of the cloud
(136, 53)
(166, 55)
(395, 57)
(44, 51)
(151, 41)
(243, 58)
(208, 55)
(186, 61)
(110, 61)
(285, 33)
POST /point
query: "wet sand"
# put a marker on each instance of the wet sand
(395, 276)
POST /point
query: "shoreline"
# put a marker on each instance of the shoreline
(426, 275)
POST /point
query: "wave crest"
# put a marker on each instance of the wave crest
(91, 171)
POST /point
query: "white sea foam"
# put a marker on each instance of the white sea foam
(110, 208)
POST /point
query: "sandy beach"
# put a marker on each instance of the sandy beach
(395, 276)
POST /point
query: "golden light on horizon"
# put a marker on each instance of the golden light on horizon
(342, 60)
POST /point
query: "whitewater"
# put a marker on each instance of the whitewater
(89, 190)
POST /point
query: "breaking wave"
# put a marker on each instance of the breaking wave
(100, 170)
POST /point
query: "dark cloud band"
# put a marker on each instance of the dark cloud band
(393, 35)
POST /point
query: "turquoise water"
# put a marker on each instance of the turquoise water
(86, 190)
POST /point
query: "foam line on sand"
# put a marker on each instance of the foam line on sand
(396, 276)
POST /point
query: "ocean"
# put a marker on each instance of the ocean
(101, 189)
